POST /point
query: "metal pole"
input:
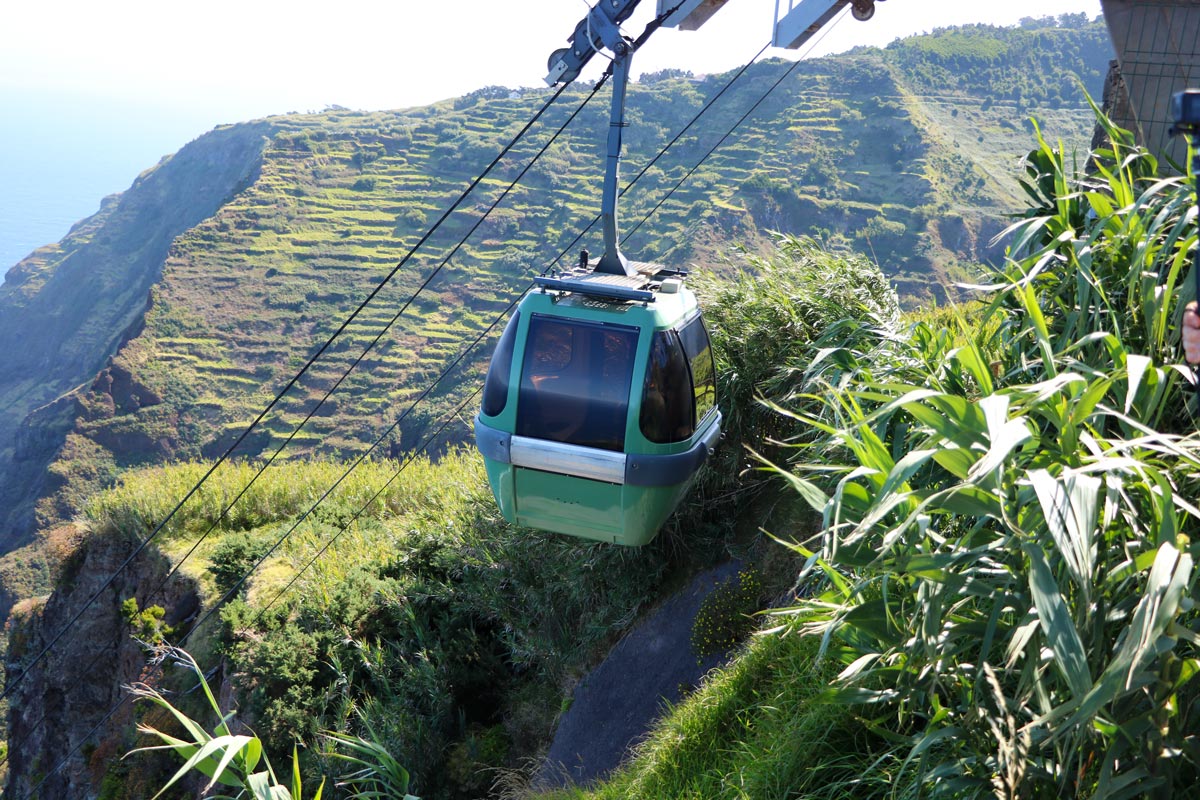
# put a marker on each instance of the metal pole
(613, 261)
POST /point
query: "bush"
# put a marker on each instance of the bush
(726, 615)
(767, 323)
(146, 624)
(233, 558)
(473, 761)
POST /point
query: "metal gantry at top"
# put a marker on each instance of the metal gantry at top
(600, 402)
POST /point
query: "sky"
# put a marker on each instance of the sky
(93, 93)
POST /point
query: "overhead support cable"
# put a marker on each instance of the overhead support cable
(445, 262)
(505, 313)
(787, 73)
(387, 327)
(663, 151)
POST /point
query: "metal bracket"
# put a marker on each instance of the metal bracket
(599, 29)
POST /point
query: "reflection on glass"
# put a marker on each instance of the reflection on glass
(575, 382)
(700, 359)
(666, 414)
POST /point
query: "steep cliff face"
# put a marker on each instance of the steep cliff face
(66, 308)
(55, 708)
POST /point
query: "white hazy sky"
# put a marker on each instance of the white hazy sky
(249, 58)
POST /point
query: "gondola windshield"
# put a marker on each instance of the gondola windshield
(575, 382)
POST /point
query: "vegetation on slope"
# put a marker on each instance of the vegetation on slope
(199, 357)
(1005, 577)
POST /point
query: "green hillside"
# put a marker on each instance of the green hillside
(403, 605)
(979, 574)
(872, 150)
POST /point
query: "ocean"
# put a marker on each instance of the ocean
(61, 154)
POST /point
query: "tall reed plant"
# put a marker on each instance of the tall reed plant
(1006, 568)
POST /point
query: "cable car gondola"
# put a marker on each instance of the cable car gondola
(600, 402)
(600, 405)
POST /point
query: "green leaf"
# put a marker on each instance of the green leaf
(808, 491)
(969, 500)
(972, 360)
(872, 617)
(1137, 782)
(297, 787)
(1137, 366)
(956, 460)
(1004, 435)
(1140, 642)
(1071, 508)
(1056, 623)
(260, 786)
(203, 759)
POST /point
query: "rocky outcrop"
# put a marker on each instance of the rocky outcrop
(68, 307)
(69, 719)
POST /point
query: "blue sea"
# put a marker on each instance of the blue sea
(60, 154)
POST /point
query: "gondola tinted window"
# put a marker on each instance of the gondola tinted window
(495, 391)
(575, 382)
(666, 414)
(700, 359)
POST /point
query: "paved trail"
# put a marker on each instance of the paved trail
(615, 705)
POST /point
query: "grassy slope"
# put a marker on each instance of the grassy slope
(426, 617)
(756, 729)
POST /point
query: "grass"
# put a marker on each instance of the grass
(1002, 597)
(426, 568)
(426, 613)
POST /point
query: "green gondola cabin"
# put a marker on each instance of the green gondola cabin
(600, 405)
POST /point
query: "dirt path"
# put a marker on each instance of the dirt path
(616, 704)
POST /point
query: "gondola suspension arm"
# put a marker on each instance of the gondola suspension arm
(601, 28)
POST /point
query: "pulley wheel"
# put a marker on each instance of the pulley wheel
(863, 11)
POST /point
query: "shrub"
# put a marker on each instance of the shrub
(767, 324)
(146, 624)
(233, 557)
(473, 761)
(726, 614)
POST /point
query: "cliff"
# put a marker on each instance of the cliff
(66, 700)
(68, 307)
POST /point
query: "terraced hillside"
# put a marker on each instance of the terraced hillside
(869, 150)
